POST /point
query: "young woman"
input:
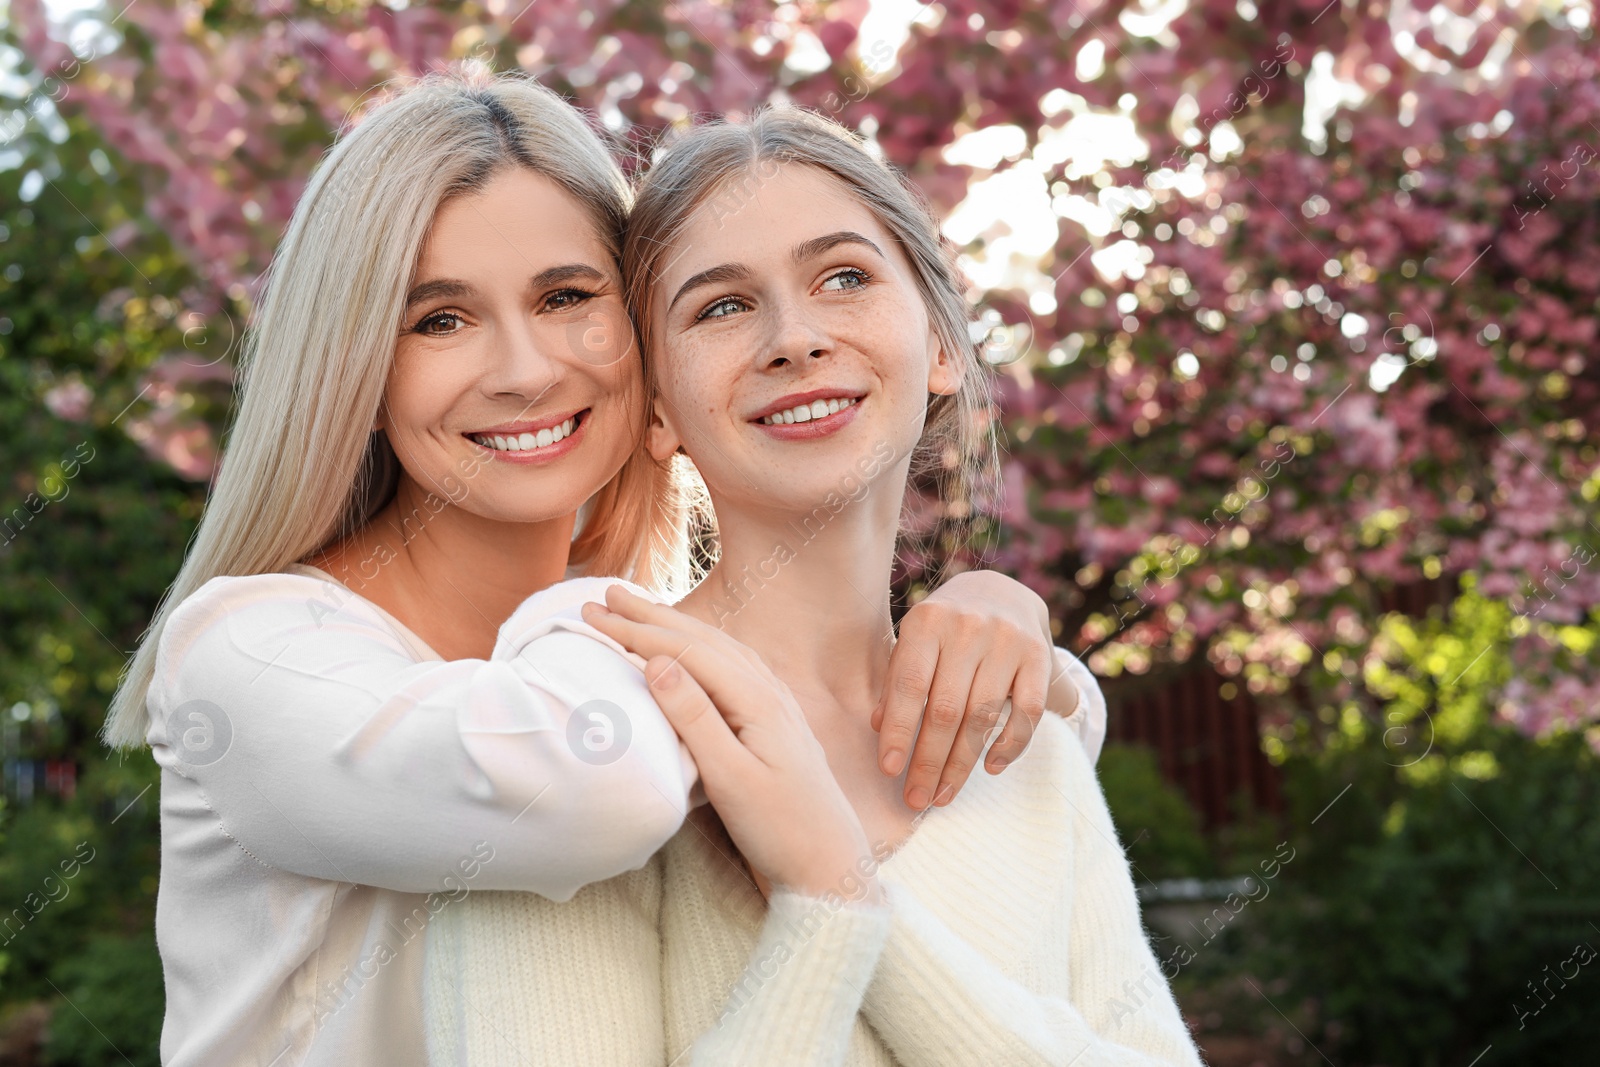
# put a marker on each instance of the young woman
(360, 691)
(805, 338)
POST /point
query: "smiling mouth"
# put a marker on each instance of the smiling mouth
(529, 441)
(817, 409)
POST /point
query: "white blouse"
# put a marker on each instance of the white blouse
(329, 784)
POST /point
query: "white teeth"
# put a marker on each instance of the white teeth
(817, 409)
(526, 441)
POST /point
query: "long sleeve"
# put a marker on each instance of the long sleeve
(1094, 996)
(797, 999)
(1088, 715)
(513, 978)
(325, 749)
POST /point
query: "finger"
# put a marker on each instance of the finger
(905, 693)
(625, 602)
(727, 679)
(990, 689)
(1028, 692)
(644, 638)
(947, 707)
(696, 718)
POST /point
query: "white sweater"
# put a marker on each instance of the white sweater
(1013, 937)
(329, 785)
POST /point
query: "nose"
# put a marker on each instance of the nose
(796, 335)
(518, 367)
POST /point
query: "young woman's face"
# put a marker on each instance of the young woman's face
(516, 387)
(794, 353)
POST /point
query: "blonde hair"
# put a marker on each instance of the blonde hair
(957, 452)
(303, 467)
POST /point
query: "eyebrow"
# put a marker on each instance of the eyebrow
(440, 288)
(735, 272)
(817, 245)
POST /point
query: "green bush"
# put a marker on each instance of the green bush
(1443, 875)
(110, 1014)
(1417, 913)
(1155, 821)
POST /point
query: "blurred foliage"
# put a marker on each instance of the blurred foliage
(1155, 822)
(1452, 868)
(94, 530)
(116, 983)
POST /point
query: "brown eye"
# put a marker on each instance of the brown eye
(428, 327)
(564, 299)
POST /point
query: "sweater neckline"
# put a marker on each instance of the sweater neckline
(405, 632)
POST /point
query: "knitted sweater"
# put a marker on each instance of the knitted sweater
(1013, 937)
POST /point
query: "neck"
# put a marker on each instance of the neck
(450, 575)
(808, 590)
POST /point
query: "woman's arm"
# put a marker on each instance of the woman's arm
(796, 1001)
(979, 639)
(768, 778)
(326, 750)
(938, 1000)
(512, 979)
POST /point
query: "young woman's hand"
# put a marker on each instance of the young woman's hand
(763, 770)
(977, 640)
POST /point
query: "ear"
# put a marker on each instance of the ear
(944, 375)
(661, 437)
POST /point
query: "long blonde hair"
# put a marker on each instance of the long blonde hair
(957, 452)
(302, 467)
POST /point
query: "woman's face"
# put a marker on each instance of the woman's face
(794, 353)
(516, 386)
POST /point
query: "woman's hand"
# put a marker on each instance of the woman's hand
(763, 769)
(977, 640)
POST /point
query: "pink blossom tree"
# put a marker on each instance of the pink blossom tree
(1319, 321)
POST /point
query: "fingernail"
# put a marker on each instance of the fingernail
(597, 607)
(946, 792)
(893, 761)
(998, 763)
(918, 797)
(667, 678)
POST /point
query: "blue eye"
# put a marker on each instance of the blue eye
(721, 309)
(857, 278)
